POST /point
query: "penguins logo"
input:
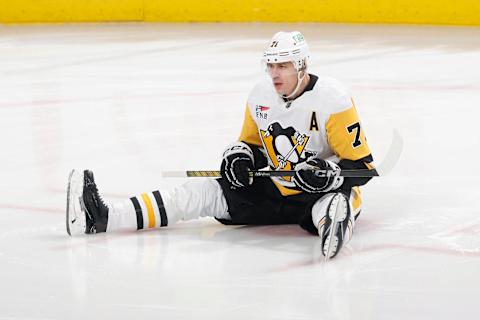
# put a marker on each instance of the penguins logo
(284, 146)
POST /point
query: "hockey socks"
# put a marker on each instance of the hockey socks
(192, 200)
(140, 212)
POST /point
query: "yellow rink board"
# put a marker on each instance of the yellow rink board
(461, 12)
(16, 11)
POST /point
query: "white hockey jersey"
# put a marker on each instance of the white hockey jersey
(323, 121)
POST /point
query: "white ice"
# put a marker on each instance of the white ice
(131, 100)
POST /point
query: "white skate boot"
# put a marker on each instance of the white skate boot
(86, 211)
(335, 228)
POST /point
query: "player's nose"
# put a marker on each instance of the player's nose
(273, 72)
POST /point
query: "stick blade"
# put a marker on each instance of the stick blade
(393, 154)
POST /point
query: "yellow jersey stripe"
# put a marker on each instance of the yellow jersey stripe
(370, 165)
(250, 133)
(284, 190)
(345, 135)
(356, 199)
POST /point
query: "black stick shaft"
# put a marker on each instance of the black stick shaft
(286, 173)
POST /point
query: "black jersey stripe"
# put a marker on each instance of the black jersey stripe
(349, 183)
(161, 208)
(138, 211)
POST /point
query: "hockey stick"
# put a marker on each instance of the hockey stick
(390, 160)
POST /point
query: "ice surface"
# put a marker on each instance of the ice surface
(131, 100)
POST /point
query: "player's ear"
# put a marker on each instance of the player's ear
(304, 66)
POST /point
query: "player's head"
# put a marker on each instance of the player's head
(286, 61)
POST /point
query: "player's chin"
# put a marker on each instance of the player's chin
(279, 88)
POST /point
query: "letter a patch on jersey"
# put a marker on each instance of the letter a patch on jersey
(284, 146)
(313, 122)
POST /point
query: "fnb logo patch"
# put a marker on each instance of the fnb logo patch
(261, 112)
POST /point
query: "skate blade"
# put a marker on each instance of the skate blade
(75, 215)
(337, 213)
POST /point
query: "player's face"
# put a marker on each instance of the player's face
(284, 77)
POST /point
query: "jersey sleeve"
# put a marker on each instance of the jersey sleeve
(345, 135)
(347, 139)
(249, 133)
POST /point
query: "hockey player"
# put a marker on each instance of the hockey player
(293, 121)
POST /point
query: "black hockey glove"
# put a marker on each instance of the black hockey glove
(317, 175)
(237, 161)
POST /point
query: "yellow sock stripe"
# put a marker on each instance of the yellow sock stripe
(355, 199)
(151, 215)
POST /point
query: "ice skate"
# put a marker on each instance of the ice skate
(334, 230)
(86, 211)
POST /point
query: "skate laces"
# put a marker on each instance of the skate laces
(97, 198)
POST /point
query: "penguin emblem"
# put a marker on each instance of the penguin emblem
(284, 146)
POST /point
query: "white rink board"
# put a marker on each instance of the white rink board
(131, 100)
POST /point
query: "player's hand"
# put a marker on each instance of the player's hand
(317, 175)
(237, 162)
